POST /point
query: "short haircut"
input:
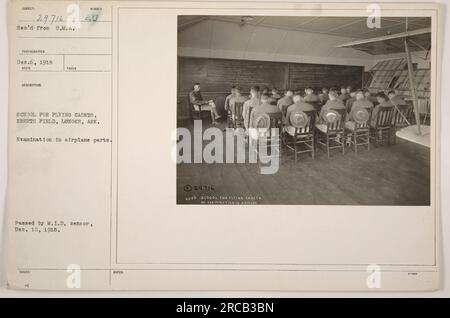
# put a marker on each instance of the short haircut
(297, 97)
(360, 93)
(195, 84)
(333, 93)
(233, 87)
(265, 96)
(333, 90)
(274, 89)
(391, 92)
(325, 89)
(255, 88)
(238, 88)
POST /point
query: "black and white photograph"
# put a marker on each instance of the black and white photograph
(304, 110)
(225, 148)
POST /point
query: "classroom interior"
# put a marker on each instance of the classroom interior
(293, 53)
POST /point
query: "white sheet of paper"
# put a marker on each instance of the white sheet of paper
(92, 183)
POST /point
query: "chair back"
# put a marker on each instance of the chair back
(275, 120)
(401, 115)
(361, 117)
(303, 122)
(238, 109)
(266, 122)
(189, 102)
(284, 109)
(191, 108)
(250, 109)
(335, 119)
(384, 117)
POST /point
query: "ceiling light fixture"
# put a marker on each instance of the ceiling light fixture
(246, 19)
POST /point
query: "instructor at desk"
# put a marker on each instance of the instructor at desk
(196, 98)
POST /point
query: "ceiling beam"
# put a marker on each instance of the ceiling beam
(190, 23)
(347, 24)
(386, 37)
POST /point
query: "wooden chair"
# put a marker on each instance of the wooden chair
(331, 134)
(250, 109)
(229, 118)
(383, 125)
(257, 133)
(411, 118)
(299, 135)
(284, 109)
(400, 118)
(358, 130)
(196, 111)
(238, 117)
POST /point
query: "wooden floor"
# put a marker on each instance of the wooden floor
(389, 175)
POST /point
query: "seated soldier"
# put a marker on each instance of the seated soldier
(360, 102)
(323, 97)
(369, 97)
(349, 89)
(265, 90)
(237, 98)
(275, 94)
(396, 100)
(333, 103)
(196, 98)
(310, 97)
(227, 100)
(286, 100)
(263, 108)
(298, 105)
(251, 103)
(344, 95)
(383, 101)
(298, 92)
(350, 101)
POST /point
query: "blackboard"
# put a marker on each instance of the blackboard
(322, 75)
(216, 77)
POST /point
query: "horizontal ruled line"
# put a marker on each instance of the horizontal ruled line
(229, 269)
(71, 54)
(42, 71)
(65, 37)
(34, 21)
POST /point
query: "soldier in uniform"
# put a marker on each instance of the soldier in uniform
(196, 98)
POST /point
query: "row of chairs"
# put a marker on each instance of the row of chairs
(305, 136)
(336, 134)
(333, 134)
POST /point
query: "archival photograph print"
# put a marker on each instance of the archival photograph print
(304, 110)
